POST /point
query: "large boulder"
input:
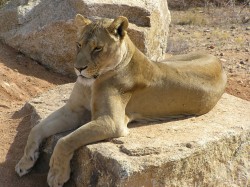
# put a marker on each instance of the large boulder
(209, 150)
(44, 30)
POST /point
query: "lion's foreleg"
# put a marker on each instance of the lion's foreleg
(61, 120)
(96, 130)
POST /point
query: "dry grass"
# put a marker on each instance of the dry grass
(240, 41)
(185, 4)
(206, 12)
(191, 18)
(2, 2)
(212, 16)
(209, 28)
(220, 34)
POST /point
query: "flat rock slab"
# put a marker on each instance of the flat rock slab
(209, 150)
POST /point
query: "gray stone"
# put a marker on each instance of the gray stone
(44, 30)
(209, 150)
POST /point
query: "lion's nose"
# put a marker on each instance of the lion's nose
(81, 69)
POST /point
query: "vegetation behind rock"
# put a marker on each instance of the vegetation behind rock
(3, 2)
(185, 4)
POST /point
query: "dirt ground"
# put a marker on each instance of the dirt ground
(22, 78)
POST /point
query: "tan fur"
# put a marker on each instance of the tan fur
(118, 84)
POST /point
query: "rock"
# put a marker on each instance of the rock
(209, 150)
(44, 30)
(211, 47)
(242, 62)
(245, 19)
(232, 27)
(223, 60)
(181, 29)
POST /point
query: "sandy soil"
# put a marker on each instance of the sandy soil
(22, 79)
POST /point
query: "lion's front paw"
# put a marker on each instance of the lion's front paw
(59, 172)
(25, 164)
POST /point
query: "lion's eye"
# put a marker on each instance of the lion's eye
(78, 45)
(97, 49)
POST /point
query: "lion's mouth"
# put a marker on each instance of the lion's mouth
(94, 76)
(83, 77)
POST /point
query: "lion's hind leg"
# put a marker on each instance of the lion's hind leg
(61, 120)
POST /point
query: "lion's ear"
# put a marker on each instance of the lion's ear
(119, 26)
(81, 21)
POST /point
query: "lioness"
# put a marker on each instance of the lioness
(119, 84)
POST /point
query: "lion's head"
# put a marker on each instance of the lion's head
(100, 46)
